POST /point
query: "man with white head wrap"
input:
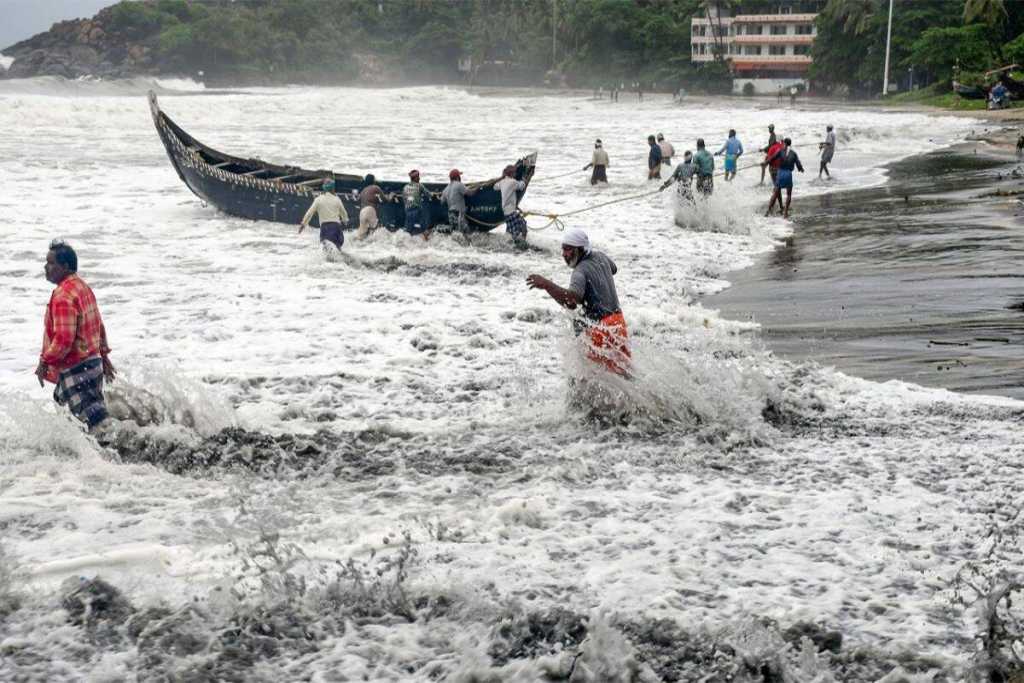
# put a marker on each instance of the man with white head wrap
(592, 289)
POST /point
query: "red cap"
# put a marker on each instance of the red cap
(413, 173)
(454, 173)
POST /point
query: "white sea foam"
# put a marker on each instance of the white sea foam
(421, 388)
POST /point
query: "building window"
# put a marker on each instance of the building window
(752, 50)
(776, 49)
(804, 29)
(779, 30)
(754, 29)
(801, 49)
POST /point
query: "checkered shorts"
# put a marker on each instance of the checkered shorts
(515, 224)
(81, 389)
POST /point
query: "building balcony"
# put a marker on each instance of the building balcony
(774, 18)
(789, 39)
(746, 63)
(703, 21)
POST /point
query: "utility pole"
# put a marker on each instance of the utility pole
(888, 43)
(554, 33)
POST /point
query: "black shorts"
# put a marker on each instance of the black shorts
(331, 232)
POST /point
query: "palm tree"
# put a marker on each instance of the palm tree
(988, 12)
(855, 15)
(717, 31)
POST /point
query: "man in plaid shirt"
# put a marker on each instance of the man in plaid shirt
(75, 349)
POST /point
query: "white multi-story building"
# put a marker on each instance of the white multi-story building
(770, 50)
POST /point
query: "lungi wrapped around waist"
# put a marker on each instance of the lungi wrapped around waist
(608, 343)
(80, 388)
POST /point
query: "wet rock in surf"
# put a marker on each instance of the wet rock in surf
(822, 638)
(90, 601)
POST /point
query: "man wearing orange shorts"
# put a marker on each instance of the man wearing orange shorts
(592, 288)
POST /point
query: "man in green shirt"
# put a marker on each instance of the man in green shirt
(705, 166)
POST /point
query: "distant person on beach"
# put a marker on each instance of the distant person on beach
(780, 94)
(792, 95)
(772, 139)
(599, 162)
(75, 355)
(331, 214)
(653, 159)
(454, 195)
(515, 221)
(733, 150)
(684, 176)
(773, 157)
(370, 198)
(592, 289)
(828, 148)
(1020, 146)
(705, 165)
(788, 161)
(667, 150)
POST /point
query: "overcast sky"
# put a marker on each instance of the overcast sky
(21, 19)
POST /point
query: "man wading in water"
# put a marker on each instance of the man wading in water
(788, 160)
(705, 165)
(684, 176)
(592, 286)
(331, 213)
(828, 150)
(599, 162)
(75, 349)
(515, 221)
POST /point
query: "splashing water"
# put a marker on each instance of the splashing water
(368, 467)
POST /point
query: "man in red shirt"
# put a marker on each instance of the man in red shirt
(75, 349)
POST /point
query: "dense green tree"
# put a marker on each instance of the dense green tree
(940, 49)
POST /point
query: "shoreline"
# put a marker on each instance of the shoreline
(910, 280)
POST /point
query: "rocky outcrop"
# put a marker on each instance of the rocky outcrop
(80, 47)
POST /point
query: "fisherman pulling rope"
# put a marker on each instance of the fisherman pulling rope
(591, 290)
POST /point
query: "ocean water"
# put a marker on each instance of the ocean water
(371, 467)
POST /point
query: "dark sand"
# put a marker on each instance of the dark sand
(918, 280)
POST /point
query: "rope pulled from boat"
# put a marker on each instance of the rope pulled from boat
(556, 219)
(556, 177)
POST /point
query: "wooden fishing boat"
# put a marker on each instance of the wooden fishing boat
(255, 189)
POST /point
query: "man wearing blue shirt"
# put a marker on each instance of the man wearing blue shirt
(733, 149)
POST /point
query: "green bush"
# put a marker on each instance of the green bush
(748, 89)
(136, 19)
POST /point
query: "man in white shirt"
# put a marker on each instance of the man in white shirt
(599, 162)
(515, 222)
(828, 148)
(331, 214)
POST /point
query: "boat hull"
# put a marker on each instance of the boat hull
(251, 188)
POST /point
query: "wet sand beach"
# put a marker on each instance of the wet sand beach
(917, 280)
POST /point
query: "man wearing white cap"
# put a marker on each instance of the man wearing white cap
(592, 288)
